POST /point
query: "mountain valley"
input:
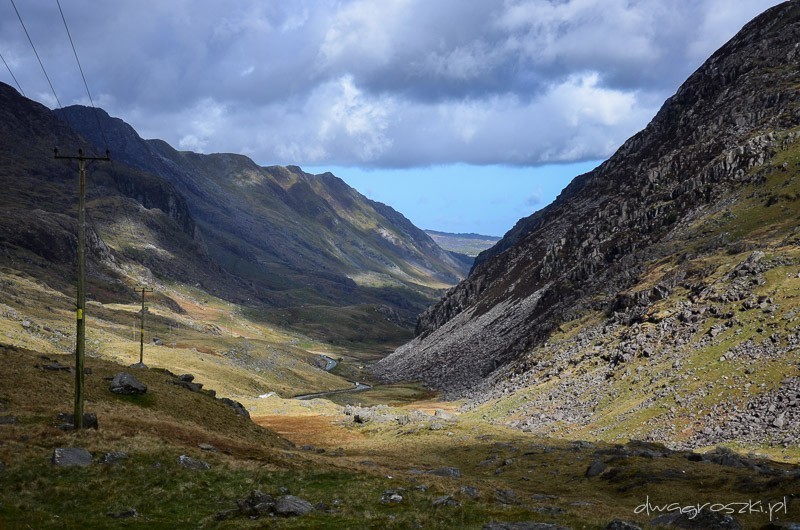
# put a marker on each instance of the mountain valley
(631, 346)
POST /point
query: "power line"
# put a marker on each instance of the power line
(80, 68)
(12, 75)
(41, 64)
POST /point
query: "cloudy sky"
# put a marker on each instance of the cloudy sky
(465, 115)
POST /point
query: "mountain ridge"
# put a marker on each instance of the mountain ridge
(275, 236)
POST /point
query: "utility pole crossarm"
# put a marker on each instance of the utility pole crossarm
(80, 333)
(81, 156)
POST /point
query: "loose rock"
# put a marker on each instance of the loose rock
(127, 385)
(391, 497)
(114, 457)
(453, 472)
(192, 463)
(291, 506)
(71, 456)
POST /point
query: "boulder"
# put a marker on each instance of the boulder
(71, 456)
(193, 463)
(597, 467)
(256, 504)
(391, 497)
(291, 506)
(505, 496)
(127, 385)
(446, 500)
(236, 406)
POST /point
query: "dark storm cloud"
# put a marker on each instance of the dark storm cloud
(377, 83)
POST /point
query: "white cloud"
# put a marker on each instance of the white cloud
(201, 124)
(395, 83)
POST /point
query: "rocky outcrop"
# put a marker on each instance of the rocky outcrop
(609, 226)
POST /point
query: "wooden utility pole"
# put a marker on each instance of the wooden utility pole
(80, 335)
(143, 289)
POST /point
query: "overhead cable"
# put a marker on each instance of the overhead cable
(12, 75)
(80, 68)
(41, 64)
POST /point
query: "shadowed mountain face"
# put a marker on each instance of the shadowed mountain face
(276, 238)
(710, 178)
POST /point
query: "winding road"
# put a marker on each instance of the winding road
(330, 364)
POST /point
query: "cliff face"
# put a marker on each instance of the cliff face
(617, 227)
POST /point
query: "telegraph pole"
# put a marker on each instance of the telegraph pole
(143, 289)
(80, 335)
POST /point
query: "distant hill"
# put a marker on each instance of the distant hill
(468, 244)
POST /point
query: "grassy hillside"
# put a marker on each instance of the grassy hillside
(449, 471)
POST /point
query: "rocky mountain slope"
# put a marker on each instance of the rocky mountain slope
(656, 288)
(303, 250)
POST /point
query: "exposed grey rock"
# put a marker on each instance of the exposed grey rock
(705, 520)
(256, 504)
(8, 420)
(391, 497)
(445, 500)
(505, 496)
(207, 447)
(618, 524)
(127, 385)
(71, 456)
(192, 463)
(291, 506)
(236, 406)
(470, 491)
(114, 457)
(596, 468)
(452, 472)
(55, 366)
(192, 387)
